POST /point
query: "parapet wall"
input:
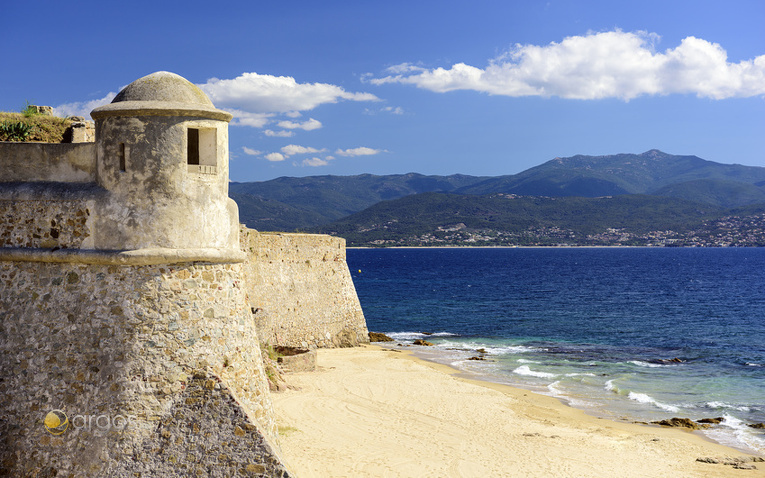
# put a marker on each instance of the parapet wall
(301, 290)
(59, 162)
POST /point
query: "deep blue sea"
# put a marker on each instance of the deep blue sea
(599, 328)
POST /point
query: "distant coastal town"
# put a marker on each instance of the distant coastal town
(730, 231)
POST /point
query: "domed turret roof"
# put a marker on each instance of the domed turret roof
(161, 94)
(163, 86)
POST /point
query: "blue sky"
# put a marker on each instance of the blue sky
(435, 87)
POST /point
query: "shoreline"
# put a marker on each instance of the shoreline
(373, 411)
(565, 401)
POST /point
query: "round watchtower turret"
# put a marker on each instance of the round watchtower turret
(162, 153)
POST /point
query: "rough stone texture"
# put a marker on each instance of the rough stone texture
(205, 433)
(379, 337)
(45, 224)
(41, 110)
(301, 290)
(109, 340)
(300, 362)
(82, 132)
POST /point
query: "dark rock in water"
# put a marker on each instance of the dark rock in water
(421, 342)
(482, 351)
(476, 358)
(713, 421)
(378, 337)
(679, 422)
(756, 425)
(427, 333)
(672, 360)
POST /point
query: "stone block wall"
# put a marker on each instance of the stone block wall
(45, 224)
(301, 290)
(127, 341)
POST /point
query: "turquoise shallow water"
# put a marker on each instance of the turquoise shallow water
(636, 334)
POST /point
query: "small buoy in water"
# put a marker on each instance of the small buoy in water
(359, 271)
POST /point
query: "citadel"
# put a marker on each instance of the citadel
(131, 298)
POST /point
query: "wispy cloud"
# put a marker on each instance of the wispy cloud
(274, 157)
(611, 64)
(247, 118)
(394, 110)
(279, 134)
(360, 151)
(314, 162)
(308, 125)
(251, 152)
(83, 108)
(293, 149)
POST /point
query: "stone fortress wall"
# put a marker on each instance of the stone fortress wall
(301, 290)
(152, 350)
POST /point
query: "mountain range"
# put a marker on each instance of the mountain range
(653, 189)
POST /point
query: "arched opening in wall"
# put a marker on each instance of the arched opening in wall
(202, 150)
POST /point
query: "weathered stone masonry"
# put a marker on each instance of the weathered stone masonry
(132, 302)
(301, 289)
(121, 341)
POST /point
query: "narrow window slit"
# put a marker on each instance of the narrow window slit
(123, 165)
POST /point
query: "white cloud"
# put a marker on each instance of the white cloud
(397, 110)
(279, 134)
(275, 94)
(361, 151)
(314, 162)
(394, 111)
(275, 157)
(612, 64)
(251, 152)
(246, 118)
(83, 108)
(292, 149)
(309, 125)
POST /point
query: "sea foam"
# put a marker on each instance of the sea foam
(640, 363)
(525, 370)
(647, 399)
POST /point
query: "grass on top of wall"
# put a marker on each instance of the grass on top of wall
(33, 127)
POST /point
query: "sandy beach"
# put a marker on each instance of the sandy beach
(368, 411)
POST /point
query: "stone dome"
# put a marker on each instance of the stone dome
(163, 86)
(161, 94)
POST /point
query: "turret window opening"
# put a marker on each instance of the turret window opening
(202, 150)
